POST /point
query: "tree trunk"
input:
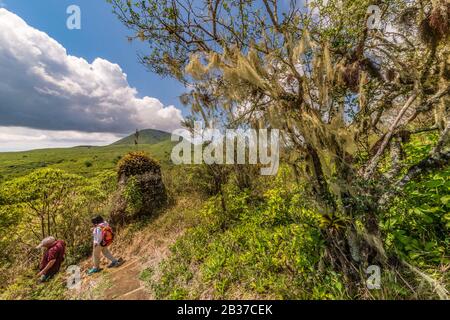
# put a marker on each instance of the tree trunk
(42, 226)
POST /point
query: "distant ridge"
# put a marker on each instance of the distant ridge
(147, 136)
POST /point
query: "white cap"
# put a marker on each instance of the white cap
(47, 241)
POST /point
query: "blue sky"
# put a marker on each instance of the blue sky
(102, 35)
(62, 87)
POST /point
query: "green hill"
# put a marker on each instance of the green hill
(147, 136)
(86, 161)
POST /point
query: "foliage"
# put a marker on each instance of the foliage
(141, 189)
(136, 163)
(27, 288)
(272, 250)
(418, 223)
(88, 163)
(352, 103)
(48, 202)
(133, 196)
(16, 164)
(273, 246)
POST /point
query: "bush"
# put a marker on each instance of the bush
(136, 163)
(141, 189)
(418, 224)
(88, 164)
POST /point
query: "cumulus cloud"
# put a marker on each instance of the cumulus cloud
(43, 87)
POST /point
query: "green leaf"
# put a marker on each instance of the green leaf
(427, 218)
(434, 183)
(445, 199)
(414, 255)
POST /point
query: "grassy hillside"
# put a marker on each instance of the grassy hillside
(262, 242)
(86, 161)
(148, 136)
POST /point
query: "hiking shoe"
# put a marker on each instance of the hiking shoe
(115, 263)
(93, 270)
(44, 278)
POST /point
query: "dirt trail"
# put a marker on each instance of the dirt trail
(122, 283)
(125, 284)
(141, 249)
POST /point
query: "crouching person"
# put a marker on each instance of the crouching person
(52, 259)
(103, 237)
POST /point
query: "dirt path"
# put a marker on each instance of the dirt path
(122, 283)
(141, 249)
(125, 283)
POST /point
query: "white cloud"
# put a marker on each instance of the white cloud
(42, 87)
(21, 139)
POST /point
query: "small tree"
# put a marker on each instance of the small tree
(52, 202)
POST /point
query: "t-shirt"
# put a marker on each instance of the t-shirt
(55, 252)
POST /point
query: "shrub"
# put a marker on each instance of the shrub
(136, 163)
(88, 164)
(141, 189)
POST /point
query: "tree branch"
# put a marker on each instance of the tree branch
(377, 157)
(436, 160)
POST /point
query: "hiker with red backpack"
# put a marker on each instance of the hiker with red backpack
(103, 237)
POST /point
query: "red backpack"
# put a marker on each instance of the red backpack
(107, 235)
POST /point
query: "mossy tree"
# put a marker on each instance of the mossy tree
(346, 96)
